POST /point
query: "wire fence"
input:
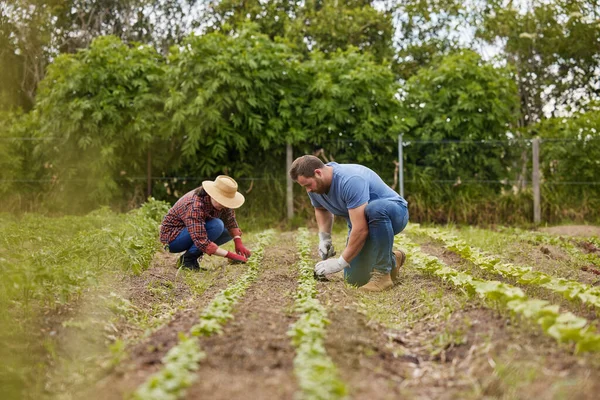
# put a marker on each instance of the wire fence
(407, 145)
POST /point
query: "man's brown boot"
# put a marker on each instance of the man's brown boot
(400, 258)
(379, 282)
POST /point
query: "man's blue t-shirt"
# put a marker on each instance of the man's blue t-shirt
(353, 185)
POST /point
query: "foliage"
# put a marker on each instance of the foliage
(234, 109)
(570, 148)
(352, 98)
(219, 310)
(426, 30)
(315, 74)
(329, 26)
(59, 270)
(101, 108)
(33, 33)
(154, 210)
(26, 33)
(10, 154)
(324, 26)
(178, 372)
(156, 22)
(47, 263)
(21, 173)
(569, 154)
(461, 98)
(232, 99)
(570, 289)
(551, 46)
(273, 18)
(181, 361)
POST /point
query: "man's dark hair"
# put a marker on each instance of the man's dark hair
(305, 166)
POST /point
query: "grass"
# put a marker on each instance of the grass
(53, 269)
(413, 301)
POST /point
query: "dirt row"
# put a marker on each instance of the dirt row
(144, 355)
(508, 356)
(253, 358)
(534, 291)
(422, 339)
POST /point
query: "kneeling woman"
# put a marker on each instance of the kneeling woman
(202, 220)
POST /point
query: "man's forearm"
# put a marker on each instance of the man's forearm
(356, 241)
(324, 220)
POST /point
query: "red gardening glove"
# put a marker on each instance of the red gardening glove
(240, 248)
(236, 257)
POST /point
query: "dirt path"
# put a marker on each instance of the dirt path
(509, 356)
(366, 362)
(253, 358)
(144, 357)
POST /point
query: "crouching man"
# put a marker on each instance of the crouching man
(373, 211)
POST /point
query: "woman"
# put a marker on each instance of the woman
(202, 220)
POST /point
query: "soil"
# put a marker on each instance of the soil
(457, 349)
(517, 341)
(366, 363)
(144, 356)
(253, 358)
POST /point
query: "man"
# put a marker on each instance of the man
(202, 220)
(373, 211)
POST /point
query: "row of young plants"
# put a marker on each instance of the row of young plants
(565, 327)
(181, 361)
(571, 245)
(316, 373)
(570, 289)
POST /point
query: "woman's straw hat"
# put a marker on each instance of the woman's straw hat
(224, 190)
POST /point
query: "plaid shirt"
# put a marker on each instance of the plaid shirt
(191, 211)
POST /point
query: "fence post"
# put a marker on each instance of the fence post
(536, 181)
(289, 182)
(400, 166)
(149, 174)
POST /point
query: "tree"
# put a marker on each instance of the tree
(426, 30)
(25, 39)
(331, 25)
(233, 100)
(34, 32)
(102, 110)
(570, 152)
(552, 46)
(352, 109)
(160, 23)
(461, 98)
(271, 18)
(10, 157)
(323, 25)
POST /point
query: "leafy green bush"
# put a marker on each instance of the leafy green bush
(461, 98)
(100, 110)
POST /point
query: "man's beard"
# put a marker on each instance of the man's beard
(322, 187)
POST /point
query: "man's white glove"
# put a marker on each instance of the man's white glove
(325, 246)
(330, 266)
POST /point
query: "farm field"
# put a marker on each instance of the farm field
(93, 308)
